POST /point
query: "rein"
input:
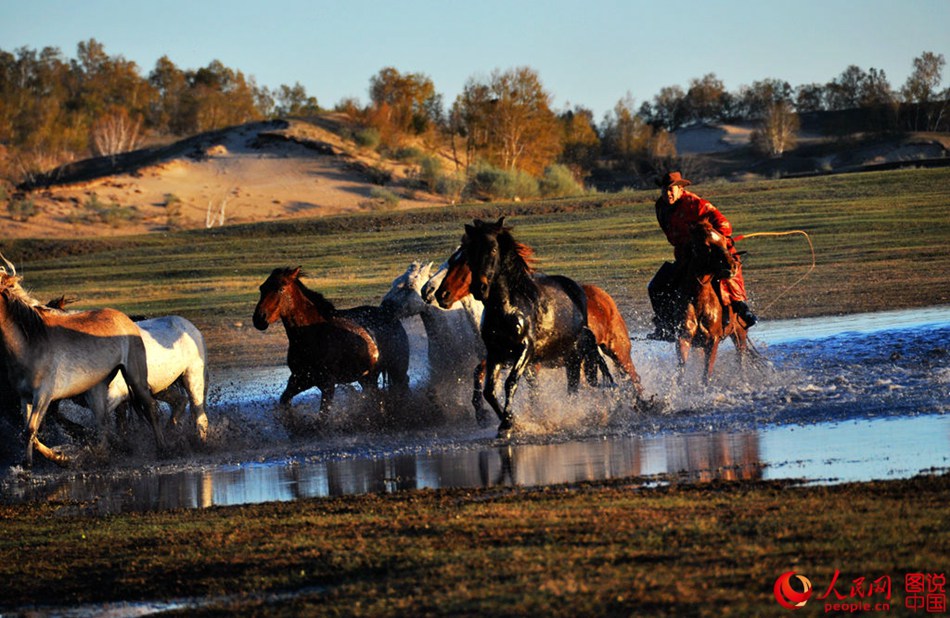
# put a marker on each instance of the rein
(788, 233)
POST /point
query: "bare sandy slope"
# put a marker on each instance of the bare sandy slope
(251, 173)
(297, 168)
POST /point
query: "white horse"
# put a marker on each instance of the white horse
(177, 361)
(455, 346)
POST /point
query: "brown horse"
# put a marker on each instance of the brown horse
(329, 347)
(603, 318)
(54, 355)
(701, 318)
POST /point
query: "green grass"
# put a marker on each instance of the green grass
(880, 239)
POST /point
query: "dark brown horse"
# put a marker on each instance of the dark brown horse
(529, 318)
(327, 346)
(54, 355)
(603, 318)
(701, 318)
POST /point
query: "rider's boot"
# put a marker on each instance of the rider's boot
(742, 310)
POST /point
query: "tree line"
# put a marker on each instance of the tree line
(55, 109)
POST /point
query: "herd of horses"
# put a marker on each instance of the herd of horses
(485, 310)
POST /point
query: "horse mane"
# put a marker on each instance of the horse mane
(519, 265)
(23, 309)
(522, 254)
(323, 305)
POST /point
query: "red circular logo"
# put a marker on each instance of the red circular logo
(788, 597)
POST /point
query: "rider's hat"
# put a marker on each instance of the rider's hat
(673, 178)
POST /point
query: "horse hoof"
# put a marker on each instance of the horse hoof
(504, 431)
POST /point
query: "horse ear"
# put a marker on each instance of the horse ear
(470, 229)
(296, 272)
(500, 224)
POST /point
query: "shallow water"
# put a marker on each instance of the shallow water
(850, 398)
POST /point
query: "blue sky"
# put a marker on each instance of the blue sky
(586, 52)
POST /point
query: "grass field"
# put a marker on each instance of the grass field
(594, 549)
(881, 241)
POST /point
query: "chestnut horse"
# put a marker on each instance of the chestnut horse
(699, 313)
(529, 318)
(54, 355)
(451, 284)
(327, 346)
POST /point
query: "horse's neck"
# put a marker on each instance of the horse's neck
(511, 290)
(305, 311)
(13, 332)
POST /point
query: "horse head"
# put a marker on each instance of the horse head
(488, 247)
(455, 278)
(404, 298)
(273, 296)
(711, 252)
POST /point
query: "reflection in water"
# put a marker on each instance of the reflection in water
(694, 457)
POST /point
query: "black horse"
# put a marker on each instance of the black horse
(529, 318)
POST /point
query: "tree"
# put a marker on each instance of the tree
(704, 99)
(405, 103)
(115, 132)
(580, 140)
(810, 98)
(508, 120)
(921, 92)
(777, 131)
(293, 101)
(754, 101)
(669, 108)
(844, 92)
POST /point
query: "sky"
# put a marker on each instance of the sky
(591, 53)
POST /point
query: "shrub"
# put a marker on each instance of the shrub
(430, 170)
(367, 138)
(113, 213)
(407, 153)
(489, 182)
(450, 186)
(385, 196)
(558, 181)
(173, 216)
(21, 208)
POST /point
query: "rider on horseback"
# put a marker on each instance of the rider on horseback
(676, 210)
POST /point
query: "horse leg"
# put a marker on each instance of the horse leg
(175, 398)
(327, 391)
(35, 413)
(511, 385)
(144, 403)
(492, 369)
(478, 377)
(682, 356)
(295, 385)
(711, 349)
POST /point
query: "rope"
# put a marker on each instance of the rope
(797, 281)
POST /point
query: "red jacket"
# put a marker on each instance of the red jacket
(675, 219)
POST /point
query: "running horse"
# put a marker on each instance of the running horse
(701, 319)
(328, 346)
(54, 355)
(450, 284)
(529, 318)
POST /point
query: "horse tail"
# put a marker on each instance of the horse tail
(135, 373)
(575, 292)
